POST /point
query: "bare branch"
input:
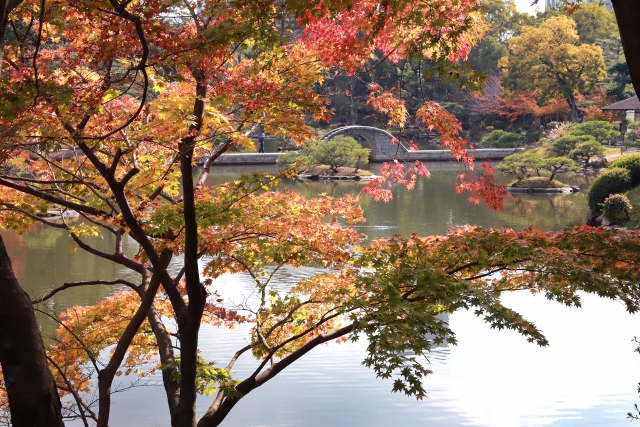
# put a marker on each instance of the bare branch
(49, 198)
(92, 357)
(14, 208)
(117, 257)
(84, 283)
(74, 393)
(215, 414)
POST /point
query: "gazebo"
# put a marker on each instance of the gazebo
(631, 106)
(629, 110)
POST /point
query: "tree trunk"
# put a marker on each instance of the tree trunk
(628, 17)
(189, 320)
(571, 100)
(3, 27)
(165, 351)
(33, 397)
(6, 6)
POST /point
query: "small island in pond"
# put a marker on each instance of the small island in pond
(535, 174)
(337, 159)
(540, 184)
(566, 148)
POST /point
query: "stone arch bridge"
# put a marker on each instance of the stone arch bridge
(382, 149)
(378, 140)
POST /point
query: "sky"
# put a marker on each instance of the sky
(525, 5)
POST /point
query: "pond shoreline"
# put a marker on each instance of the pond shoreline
(306, 177)
(539, 190)
(421, 155)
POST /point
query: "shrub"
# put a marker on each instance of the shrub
(337, 152)
(630, 163)
(455, 109)
(534, 136)
(611, 181)
(341, 151)
(633, 125)
(562, 129)
(288, 158)
(492, 138)
(616, 208)
(585, 150)
(557, 165)
(511, 140)
(600, 130)
(631, 136)
(634, 144)
(521, 165)
(501, 139)
(565, 144)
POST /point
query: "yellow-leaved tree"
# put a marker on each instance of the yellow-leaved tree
(550, 61)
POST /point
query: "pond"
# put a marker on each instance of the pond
(587, 376)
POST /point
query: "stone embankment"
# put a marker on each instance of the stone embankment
(307, 177)
(535, 190)
(409, 156)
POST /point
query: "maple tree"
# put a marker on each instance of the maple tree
(105, 108)
(514, 105)
(107, 105)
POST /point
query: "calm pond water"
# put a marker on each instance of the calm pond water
(588, 376)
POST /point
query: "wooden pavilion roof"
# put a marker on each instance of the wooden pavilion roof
(626, 104)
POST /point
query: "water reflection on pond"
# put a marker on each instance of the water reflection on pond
(587, 376)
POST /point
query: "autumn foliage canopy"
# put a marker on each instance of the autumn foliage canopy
(107, 106)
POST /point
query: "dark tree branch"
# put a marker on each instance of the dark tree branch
(49, 198)
(14, 208)
(6, 7)
(90, 354)
(84, 283)
(42, 181)
(117, 257)
(189, 321)
(74, 393)
(165, 351)
(37, 50)
(215, 415)
(130, 174)
(106, 375)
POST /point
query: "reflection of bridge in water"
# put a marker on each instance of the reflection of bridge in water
(384, 147)
(438, 351)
